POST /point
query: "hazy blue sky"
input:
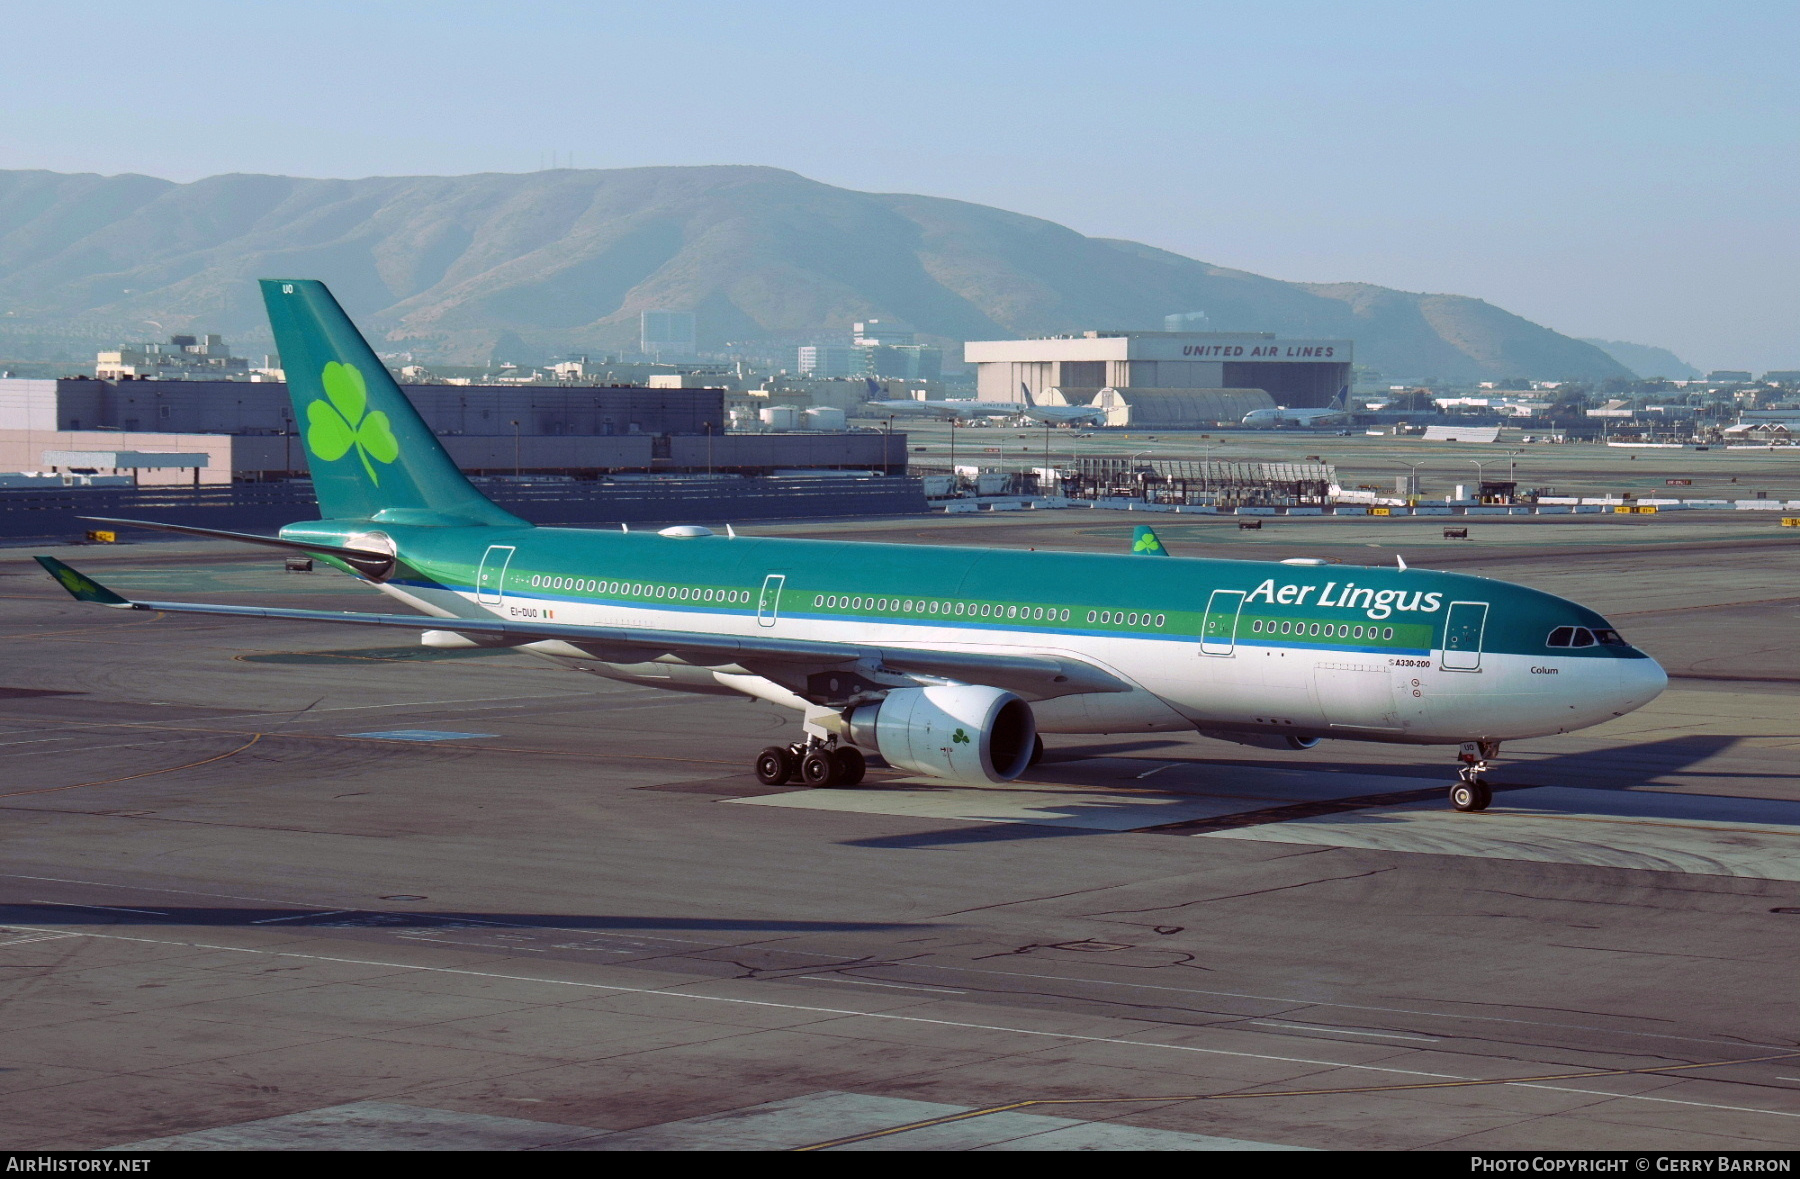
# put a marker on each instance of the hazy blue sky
(1624, 170)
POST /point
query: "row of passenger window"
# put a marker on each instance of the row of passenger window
(982, 610)
(927, 606)
(636, 589)
(1324, 630)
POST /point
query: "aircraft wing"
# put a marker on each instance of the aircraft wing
(1035, 677)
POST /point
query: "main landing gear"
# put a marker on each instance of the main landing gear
(1472, 792)
(814, 764)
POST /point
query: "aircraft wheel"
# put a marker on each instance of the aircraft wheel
(852, 765)
(1472, 795)
(820, 768)
(775, 766)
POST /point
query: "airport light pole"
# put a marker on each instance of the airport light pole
(1412, 482)
(1480, 473)
(517, 470)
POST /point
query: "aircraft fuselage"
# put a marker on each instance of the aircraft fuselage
(1413, 656)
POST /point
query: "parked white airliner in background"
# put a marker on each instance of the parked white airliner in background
(1334, 414)
(1056, 415)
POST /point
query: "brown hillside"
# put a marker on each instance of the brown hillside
(562, 261)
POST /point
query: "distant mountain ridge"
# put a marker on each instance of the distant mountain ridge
(454, 268)
(1647, 361)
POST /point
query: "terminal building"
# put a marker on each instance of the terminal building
(183, 358)
(877, 348)
(237, 431)
(1164, 378)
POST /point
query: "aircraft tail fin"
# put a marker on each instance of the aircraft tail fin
(1029, 399)
(1145, 541)
(1342, 401)
(371, 455)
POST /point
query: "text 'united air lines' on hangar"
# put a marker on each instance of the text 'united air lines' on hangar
(1154, 375)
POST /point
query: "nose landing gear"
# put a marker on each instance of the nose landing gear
(1472, 792)
(814, 763)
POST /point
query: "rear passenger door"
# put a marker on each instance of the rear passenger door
(490, 578)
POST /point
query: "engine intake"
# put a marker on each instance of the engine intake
(962, 732)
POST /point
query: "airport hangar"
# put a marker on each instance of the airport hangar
(247, 433)
(1164, 378)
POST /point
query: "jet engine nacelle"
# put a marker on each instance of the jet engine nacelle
(963, 732)
(1261, 740)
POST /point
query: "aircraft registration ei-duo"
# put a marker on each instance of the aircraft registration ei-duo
(947, 661)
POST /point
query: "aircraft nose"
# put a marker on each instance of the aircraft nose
(1640, 682)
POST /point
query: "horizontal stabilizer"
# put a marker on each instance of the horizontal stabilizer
(369, 561)
(80, 585)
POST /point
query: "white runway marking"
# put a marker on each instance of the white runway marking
(1315, 1027)
(864, 982)
(106, 908)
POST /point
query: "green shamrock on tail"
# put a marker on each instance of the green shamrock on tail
(959, 737)
(334, 427)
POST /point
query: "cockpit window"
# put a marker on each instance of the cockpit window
(1581, 636)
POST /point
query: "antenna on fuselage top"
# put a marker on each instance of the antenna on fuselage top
(731, 532)
(624, 527)
(1400, 561)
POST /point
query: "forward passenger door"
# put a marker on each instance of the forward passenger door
(1463, 627)
(768, 603)
(1218, 632)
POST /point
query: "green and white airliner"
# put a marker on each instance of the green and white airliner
(948, 662)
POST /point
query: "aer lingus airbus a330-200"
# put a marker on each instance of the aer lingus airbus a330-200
(947, 661)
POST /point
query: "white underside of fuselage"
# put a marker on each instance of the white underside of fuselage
(1404, 697)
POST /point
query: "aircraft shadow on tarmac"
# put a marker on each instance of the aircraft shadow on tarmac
(46, 913)
(1294, 788)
